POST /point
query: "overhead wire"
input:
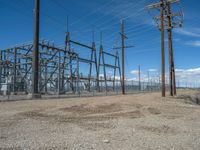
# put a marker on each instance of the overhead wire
(109, 13)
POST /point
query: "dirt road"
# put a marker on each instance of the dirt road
(140, 121)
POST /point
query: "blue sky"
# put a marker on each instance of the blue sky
(104, 15)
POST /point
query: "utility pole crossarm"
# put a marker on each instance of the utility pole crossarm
(153, 6)
(124, 47)
(177, 24)
(178, 14)
(173, 1)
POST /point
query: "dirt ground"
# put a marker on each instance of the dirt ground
(130, 122)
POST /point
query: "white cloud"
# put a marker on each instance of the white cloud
(188, 75)
(132, 79)
(108, 76)
(116, 77)
(176, 39)
(153, 76)
(193, 32)
(153, 70)
(193, 43)
(134, 72)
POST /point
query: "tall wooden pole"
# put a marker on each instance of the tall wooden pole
(164, 6)
(123, 72)
(169, 31)
(139, 77)
(162, 45)
(35, 60)
(171, 55)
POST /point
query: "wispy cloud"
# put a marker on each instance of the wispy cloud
(188, 75)
(176, 39)
(153, 70)
(192, 32)
(183, 76)
(145, 77)
(193, 43)
(134, 72)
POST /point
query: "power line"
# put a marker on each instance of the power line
(100, 8)
(111, 11)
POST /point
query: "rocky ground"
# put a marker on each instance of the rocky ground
(131, 122)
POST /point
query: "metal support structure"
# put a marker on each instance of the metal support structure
(68, 48)
(59, 72)
(96, 64)
(108, 81)
(92, 61)
(14, 70)
(55, 75)
(116, 66)
(77, 75)
(21, 71)
(93, 57)
(41, 67)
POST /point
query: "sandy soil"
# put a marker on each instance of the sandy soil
(140, 121)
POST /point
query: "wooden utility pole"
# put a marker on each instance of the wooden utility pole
(166, 17)
(123, 47)
(171, 56)
(1, 59)
(123, 72)
(35, 60)
(161, 5)
(139, 77)
(169, 31)
(174, 79)
(162, 45)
